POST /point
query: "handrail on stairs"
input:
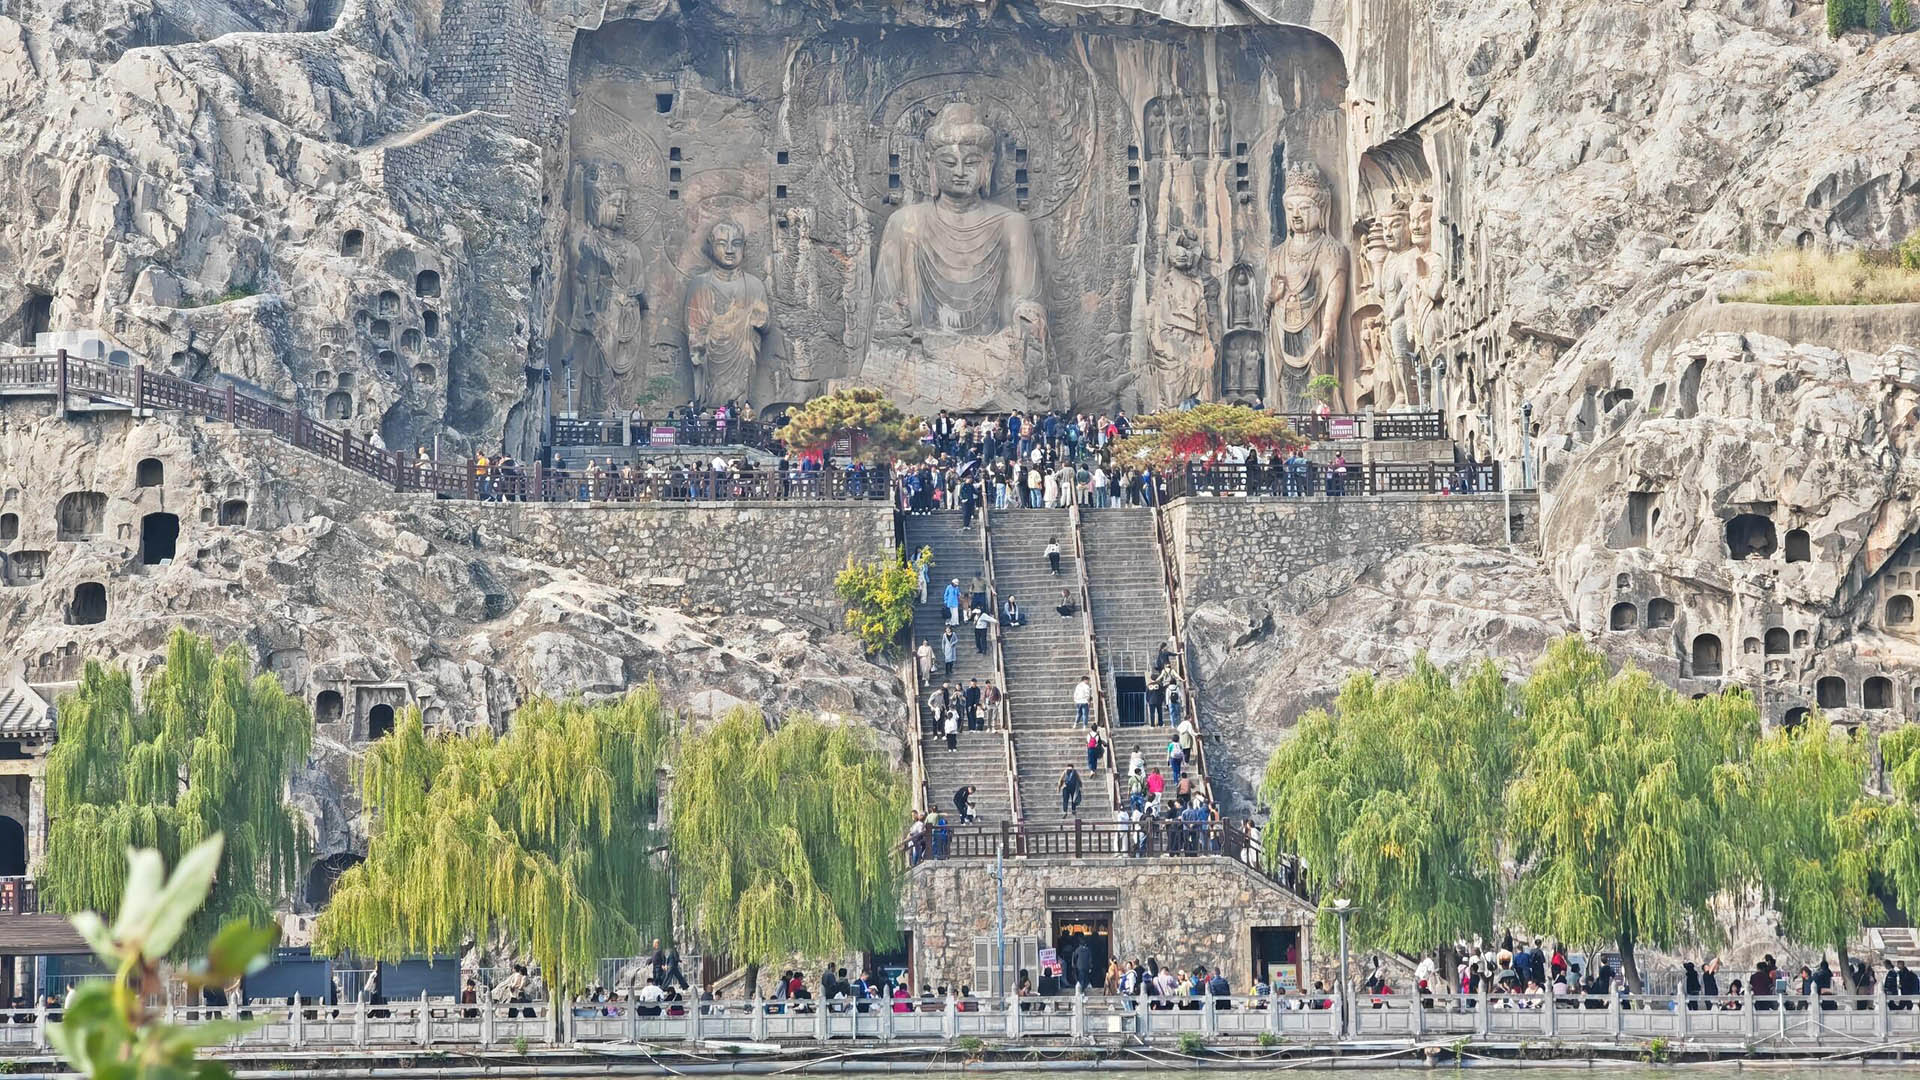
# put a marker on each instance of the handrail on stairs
(1099, 718)
(1170, 575)
(1005, 718)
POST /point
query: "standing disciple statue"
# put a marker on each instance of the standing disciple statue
(958, 277)
(727, 314)
(1179, 344)
(1307, 284)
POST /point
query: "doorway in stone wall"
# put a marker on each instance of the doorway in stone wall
(1070, 928)
(1276, 957)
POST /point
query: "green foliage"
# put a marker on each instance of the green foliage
(1269, 1039)
(880, 596)
(1899, 823)
(657, 391)
(1192, 1042)
(520, 1045)
(210, 749)
(105, 1031)
(1321, 388)
(1813, 848)
(1176, 435)
(1900, 17)
(1394, 800)
(783, 841)
(877, 428)
(1658, 1050)
(970, 1045)
(1625, 811)
(1909, 251)
(542, 835)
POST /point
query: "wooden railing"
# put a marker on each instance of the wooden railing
(64, 375)
(1309, 478)
(18, 896)
(915, 724)
(1005, 718)
(1170, 576)
(1098, 718)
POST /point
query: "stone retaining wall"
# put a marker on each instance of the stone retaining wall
(1184, 912)
(1233, 547)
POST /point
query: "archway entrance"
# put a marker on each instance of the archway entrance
(1095, 929)
(159, 534)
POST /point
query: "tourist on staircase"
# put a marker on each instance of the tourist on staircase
(1083, 702)
(1069, 791)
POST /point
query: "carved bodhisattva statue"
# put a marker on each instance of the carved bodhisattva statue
(727, 315)
(1179, 344)
(957, 315)
(1307, 283)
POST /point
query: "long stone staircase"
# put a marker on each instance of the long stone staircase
(1044, 661)
(981, 757)
(1131, 614)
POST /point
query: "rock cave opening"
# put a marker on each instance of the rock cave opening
(1794, 717)
(683, 230)
(352, 243)
(1800, 639)
(379, 721)
(1799, 546)
(323, 15)
(1659, 612)
(327, 707)
(149, 473)
(1776, 641)
(1624, 617)
(1831, 692)
(159, 535)
(1706, 656)
(430, 322)
(1751, 536)
(381, 329)
(80, 515)
(338, 406)
(233, 512)
(36, 318)
(1633, 530)
(89, 604)
(426, 283)
(9, 526)
(325, 875)
(423, 374)
(388, 303)
(1899, 610)
(27, 566)
(1877, 693)
(1750, 647)
(410, 340)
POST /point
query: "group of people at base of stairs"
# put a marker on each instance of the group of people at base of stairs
(1024, 461)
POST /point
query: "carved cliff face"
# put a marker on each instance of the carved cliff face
(815, 129)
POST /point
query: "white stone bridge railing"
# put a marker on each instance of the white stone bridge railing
(1737, 1022)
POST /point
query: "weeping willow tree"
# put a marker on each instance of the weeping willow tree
(1898, 827)
(783, 841)
(208, 749)
(1393, 800)
(1813, 839)
(543, 836)
(1625, 815)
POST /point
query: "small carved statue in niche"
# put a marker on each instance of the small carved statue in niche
(1241, 378)
(1153, 125)
(1218, 131)
(1240, 297)
(1307, 280)
(726, 319)
(957, 282)
(1179, 346)
(1429, 279)
(1389, 248)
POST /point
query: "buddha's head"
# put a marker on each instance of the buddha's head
(960, 151)
(1420, 222)
(727, 244)
(1395, 225)
(1308, 199)
(603, 189)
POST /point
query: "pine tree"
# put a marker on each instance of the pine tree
(209, 750)
(543, 837)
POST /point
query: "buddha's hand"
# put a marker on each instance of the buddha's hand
(1033, 317)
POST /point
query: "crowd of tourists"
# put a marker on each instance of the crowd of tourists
(1025, 461)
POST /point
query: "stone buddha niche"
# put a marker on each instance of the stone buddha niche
(1179, 340)
(956, 289)
(727, 319)
(1307, 282)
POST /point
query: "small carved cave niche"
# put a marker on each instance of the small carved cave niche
(9, 527)
(1794, 717)
(1632, 530)
(1659, 612)
(1776, 641)
(1900, 610)
(1624, 617)
(1750, 647)
(339, 406)
(1831, 692)
(388, 303)
(149, 473)
(80, 515)
(1799, 639)
(1877, 693)
(159, 536)
(1799, 546)
(423, 374)
(88, 605)
(379, 721)
(430, 322)
(426, 283)
(352, 243)
(1751, 536)
(1707, 660)
(324, 876)
(327, 707)
(233, 512)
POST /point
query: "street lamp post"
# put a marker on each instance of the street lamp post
(1344, 909)
(1526, 444)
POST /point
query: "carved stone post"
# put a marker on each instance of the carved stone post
(950, 1019)
(60, 385)
(486, 1021)
(425, 1019)
(759, 1025)
(360, 1024)
(296, 1025)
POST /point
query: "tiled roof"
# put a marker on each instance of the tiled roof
(22, 712)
